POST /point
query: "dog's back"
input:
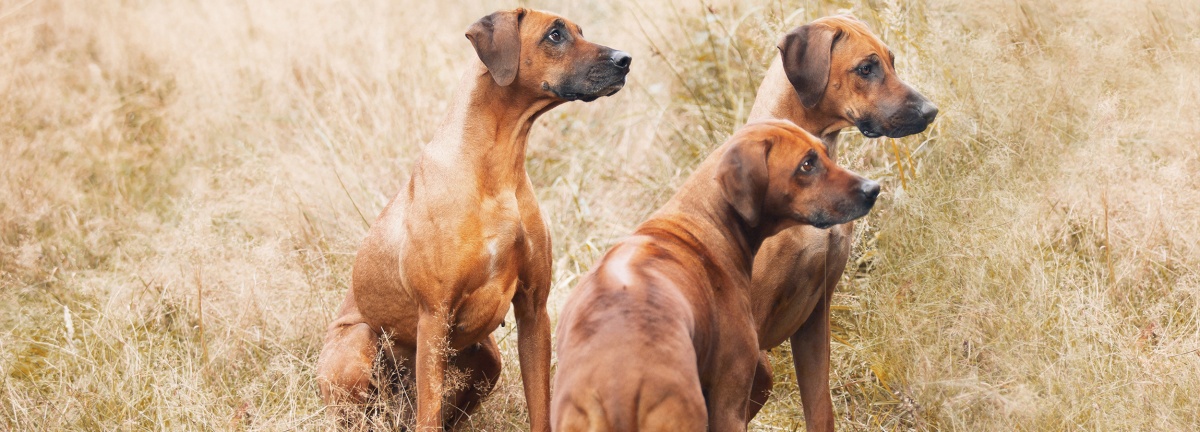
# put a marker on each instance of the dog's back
(626, 355)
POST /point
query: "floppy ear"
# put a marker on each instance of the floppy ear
(806, 51)
(497, 41)
(742, 177)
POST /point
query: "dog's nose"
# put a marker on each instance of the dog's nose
(621, 59)
(928, 111)
(870, 190)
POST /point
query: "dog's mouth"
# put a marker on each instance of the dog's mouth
(906, 129)
(598, 82)
(842, 212)
(614, 88)
(869, 128)
(589, 96)
(872, 129)
(822, 225)
(819, 219)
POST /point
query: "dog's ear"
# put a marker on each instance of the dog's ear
(497, 41)
(806, 51)
(742, 177)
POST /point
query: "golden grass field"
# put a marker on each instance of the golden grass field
(183, 186)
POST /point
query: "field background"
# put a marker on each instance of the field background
(183, 186)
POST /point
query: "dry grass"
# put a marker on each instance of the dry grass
(183, 186)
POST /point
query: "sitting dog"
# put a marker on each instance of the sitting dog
(465, 238)
(831, 74)
(660, 335)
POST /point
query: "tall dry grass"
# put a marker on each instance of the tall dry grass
(183, 186)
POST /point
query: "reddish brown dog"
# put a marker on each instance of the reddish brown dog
(465, 238)
(656, 337)
(831, 74)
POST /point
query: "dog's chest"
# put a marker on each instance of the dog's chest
(811, 267)
(503, 233)
(499, 264)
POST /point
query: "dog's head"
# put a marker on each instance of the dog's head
(546, 54)
(775, 175)
(840, 68)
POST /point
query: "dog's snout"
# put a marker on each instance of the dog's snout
(869, 190)
(621, 59)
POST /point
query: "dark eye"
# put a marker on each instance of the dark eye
(807, 165)
(555, 36)
(864, 70)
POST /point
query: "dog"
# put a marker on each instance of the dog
(465, 238)
(660, 335)
(831, 74)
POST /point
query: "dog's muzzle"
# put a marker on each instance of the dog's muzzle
(604, 78)
(917, 116)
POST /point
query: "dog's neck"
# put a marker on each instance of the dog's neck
(699, 207)
(778, 99)
(487, 128)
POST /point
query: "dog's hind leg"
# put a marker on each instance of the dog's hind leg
(345, 366)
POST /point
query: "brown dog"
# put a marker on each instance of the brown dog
(465, 238)
(656, 337)
(831, 74)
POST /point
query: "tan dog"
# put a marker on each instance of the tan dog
(660, 336)
(465, 238)
(831, 74)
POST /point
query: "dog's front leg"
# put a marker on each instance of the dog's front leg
(810, 354)
(533, 349)
(764, 380)
(433, 333)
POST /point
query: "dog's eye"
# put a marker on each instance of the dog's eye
(807, 165)
(864, 70)
(555, 36)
